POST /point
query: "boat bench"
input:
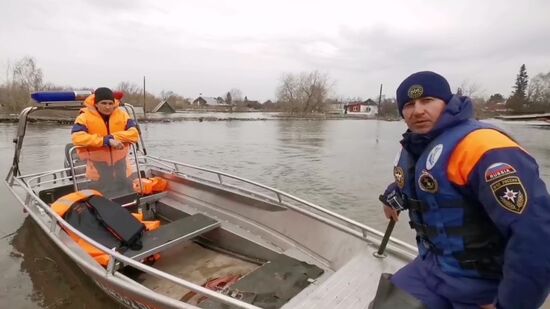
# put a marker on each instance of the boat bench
(172, 234)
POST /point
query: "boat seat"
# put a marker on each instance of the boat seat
(172, 234)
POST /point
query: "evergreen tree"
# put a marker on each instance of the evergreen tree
(518, 98)
(228, 98)
(496, 98)
(521, 83)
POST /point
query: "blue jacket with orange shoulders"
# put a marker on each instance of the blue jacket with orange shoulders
(477, 201)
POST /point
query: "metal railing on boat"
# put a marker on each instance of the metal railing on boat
(357, 229)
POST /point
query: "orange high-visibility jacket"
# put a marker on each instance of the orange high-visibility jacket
(90, 130)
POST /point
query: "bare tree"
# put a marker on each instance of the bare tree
(133, 94)
(304, 93)
(166, 94)
(129, 88)
(538, 92)
(469, 89)
(236, 95)
(26, 77)
(174, 99)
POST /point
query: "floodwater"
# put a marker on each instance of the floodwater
(342, 165)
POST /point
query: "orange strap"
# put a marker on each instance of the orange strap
(471, 149)
(62, 204)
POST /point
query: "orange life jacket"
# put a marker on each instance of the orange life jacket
(149, 185)
(93, 149)
(64, 203)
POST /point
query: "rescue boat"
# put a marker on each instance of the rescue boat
(223, 241)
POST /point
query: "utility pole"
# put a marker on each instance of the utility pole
(144, 101)
(378, 115)
(379, 102)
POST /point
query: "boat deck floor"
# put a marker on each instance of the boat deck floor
(351, 287)
(193, 263)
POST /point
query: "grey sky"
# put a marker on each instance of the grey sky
(209, 47)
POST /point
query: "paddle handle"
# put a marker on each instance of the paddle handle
(386, 237)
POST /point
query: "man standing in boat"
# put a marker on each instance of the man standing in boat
(102, 129)
(475, 198)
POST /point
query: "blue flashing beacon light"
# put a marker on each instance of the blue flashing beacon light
(59, 96)
(45, 97)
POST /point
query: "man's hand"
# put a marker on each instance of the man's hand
(393, 201)
(391, 213)
(393, 198)
(489, 306)
(116, 144)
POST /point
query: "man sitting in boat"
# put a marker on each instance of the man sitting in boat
(103, 130)
(475, 198)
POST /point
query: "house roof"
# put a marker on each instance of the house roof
(208, 100)
(164, 107)
(369, 102)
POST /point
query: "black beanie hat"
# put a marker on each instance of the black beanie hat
(103, 93)
(423, 84)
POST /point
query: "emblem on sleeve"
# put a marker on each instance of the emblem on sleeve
(399, 176)
(433, 156)
(498, 170)
(510, 193)
(427, 182)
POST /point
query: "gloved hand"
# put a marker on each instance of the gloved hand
(393, 198)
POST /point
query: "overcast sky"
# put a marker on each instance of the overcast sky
(209, 47)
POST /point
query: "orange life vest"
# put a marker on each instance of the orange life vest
(64, 203)
(93, 149)
(149, 185)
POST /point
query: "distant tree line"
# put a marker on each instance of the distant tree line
(297, 93)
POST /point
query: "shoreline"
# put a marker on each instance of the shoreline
(164, 118)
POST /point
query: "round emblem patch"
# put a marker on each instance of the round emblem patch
(415, 92)
(427, 182)
(399, 176)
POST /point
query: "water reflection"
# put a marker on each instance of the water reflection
(56, 281)
(301, 133)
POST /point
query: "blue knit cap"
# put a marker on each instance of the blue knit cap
(423, 84)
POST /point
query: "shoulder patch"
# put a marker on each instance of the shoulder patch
(399, 176)
(498, 170)
(510, 193)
